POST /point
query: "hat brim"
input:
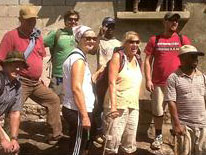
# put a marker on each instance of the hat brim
(174, 16)
(29, 16)
(22, 64)
(199, 53)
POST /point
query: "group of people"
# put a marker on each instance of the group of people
(170, 68)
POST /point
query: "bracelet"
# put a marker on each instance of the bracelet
(14, 138)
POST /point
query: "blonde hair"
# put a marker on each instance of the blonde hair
(128, 36)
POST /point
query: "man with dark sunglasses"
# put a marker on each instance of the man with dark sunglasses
(61, 43)
(162, 55)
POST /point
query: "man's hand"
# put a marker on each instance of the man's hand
(15, 146)
(179, 130)
(6, 145)
(149, 86)
(86, 122)
(102, 31)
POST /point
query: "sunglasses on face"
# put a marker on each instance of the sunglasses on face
(73, 19)
(110, 26)
(90, 38)
(133, 41)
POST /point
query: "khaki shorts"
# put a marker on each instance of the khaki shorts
(158, 105)
(193, 142)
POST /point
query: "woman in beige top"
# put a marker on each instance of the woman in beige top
(121, 104)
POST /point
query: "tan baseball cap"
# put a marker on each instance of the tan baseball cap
(189, 49)
(27, 12)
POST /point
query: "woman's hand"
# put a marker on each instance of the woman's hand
(114, 113)
(86, 124)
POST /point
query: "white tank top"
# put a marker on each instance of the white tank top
(86, 86)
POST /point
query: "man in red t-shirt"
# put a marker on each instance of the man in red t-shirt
(161, 60)
(18, 40)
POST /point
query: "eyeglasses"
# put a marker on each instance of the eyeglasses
(134, 41)
(90, 38)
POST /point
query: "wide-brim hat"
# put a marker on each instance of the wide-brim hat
(15, 56)
(189, 49)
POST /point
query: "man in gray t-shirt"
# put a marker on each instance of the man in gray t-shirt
(10, 99)
(185, 94)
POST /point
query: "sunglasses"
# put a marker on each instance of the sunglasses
(73, 19)
(90, 38)
(134, 41)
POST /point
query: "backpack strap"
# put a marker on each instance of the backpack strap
(2, 78)
(181, 39)
(57, 36)
(120, 50)
(157, 40)
(75, 52)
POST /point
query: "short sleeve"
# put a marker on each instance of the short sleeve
(49, 39)
(17, 106)
(150, 47)
(170, 91)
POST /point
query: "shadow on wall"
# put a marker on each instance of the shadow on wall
(50, 10)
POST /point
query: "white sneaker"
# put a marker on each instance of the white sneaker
(158, 141)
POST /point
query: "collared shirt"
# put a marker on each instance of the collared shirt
(15, 41)
(189, 95)
(10, 100)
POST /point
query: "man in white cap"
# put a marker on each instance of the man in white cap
(79, 96)
(185, 95)
(160, 61)
(27, 39)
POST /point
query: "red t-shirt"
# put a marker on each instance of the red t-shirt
(14, 41)
(165, 54)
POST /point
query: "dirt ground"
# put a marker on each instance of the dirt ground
(33, 142)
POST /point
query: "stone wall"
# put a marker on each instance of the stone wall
(92, 12)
